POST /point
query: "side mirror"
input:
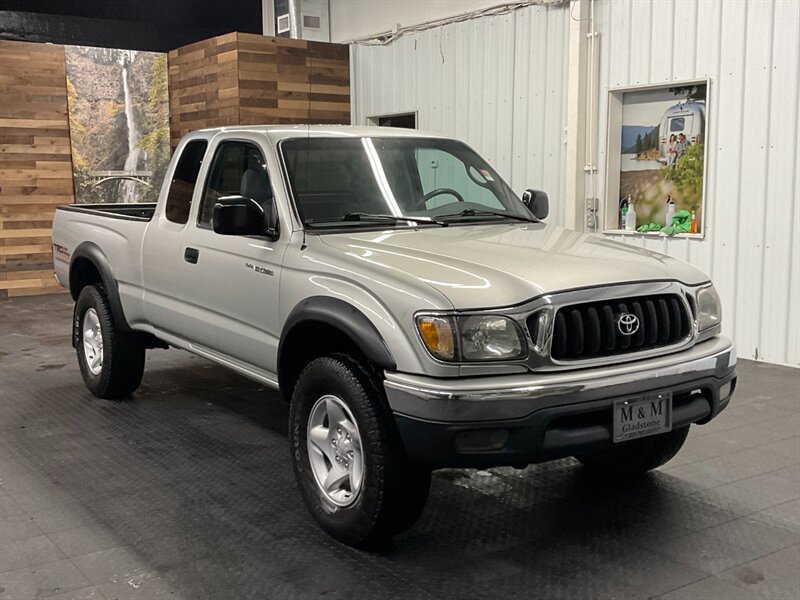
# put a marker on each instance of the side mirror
(237, 215)
(537, 203)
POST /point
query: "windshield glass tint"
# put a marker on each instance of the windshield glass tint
(333, 177)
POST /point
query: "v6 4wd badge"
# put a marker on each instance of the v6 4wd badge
(257, 269)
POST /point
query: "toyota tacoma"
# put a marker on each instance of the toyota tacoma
(413, 310)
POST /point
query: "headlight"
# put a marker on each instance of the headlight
(472, 338)
(489, 338)
(709, 308)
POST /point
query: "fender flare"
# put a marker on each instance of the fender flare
(347, 319)
(92, 252)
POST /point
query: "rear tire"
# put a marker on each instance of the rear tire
(637, 456)
(386, 492)
(111, 361)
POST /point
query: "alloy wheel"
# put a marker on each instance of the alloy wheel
(92, 341)
(335, 451)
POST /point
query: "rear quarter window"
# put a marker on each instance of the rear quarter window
(181, 188)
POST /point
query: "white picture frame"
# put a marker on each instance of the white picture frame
(621, 183)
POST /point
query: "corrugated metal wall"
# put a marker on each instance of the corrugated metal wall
(751, 53)
(498, 83)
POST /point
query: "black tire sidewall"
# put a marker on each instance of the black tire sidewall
(123, 352)
(355, 523)
(92, 297)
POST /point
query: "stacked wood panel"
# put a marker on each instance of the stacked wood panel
(35, 163)
(203, 86)
(250, 79)
(282, 80)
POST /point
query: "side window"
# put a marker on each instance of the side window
(181, 188)
(238, 169)
(440, 170)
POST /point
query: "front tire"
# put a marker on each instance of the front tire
(111, 360)
(637, 456)
(350, 465)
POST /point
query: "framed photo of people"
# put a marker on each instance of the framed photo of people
(656, 166)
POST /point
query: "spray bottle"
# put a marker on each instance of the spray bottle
(670, 211)
(623, 212)
(630, 220)
(693, 225)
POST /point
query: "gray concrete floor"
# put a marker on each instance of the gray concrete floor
(186, 491)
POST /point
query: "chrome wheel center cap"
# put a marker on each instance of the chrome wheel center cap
(342, 444)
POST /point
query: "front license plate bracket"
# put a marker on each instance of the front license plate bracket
(642, 416)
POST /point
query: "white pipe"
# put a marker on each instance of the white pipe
(592, 102)
(575, 184)
(387, 37)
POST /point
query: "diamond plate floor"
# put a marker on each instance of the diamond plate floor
(186, 491)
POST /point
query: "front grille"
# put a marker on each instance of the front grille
(592, 330)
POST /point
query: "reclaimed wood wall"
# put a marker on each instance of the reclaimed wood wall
(247, 79)
(35, 163)
(282, 80)
(203, 86)
(238, 78)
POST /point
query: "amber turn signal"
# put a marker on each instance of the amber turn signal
(438, 336)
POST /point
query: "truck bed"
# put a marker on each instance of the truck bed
(116, 232)
(130, 212)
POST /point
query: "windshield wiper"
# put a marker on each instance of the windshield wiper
(470, 212)
(360, 216)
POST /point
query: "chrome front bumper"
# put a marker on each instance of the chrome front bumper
(494, 398)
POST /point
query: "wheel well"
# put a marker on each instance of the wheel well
(305, 342)
(83, 272)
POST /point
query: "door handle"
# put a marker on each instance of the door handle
(191, 255)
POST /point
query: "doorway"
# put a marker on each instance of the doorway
(403, 120)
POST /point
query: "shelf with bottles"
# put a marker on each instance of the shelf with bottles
(669, 222)
(653, 234)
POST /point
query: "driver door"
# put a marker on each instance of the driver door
(232, 281)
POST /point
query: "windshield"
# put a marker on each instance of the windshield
(335, 179)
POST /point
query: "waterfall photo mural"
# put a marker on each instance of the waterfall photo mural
(119, 123)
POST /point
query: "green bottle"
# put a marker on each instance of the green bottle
(623, 222)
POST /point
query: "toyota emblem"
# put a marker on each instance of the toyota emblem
(627, 324)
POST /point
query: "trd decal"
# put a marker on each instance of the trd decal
(61, 251)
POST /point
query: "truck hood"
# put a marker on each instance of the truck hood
(482, 266)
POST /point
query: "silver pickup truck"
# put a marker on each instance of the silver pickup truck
(413, 310)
